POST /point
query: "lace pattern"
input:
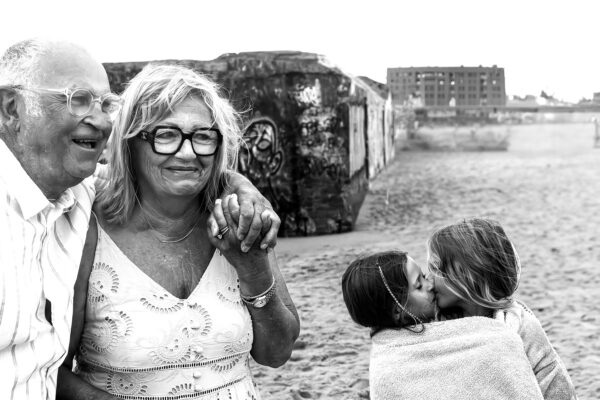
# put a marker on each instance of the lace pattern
(141, 342)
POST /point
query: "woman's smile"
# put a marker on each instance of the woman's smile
(183, 169)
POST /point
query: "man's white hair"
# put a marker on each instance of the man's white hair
(18, 66)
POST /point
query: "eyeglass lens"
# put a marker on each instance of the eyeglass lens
(82, 100)
(168, 140)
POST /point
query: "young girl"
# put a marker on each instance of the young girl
(411, 357)
(375, 287)
(476, 272)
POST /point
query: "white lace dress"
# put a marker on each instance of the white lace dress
(141, 342)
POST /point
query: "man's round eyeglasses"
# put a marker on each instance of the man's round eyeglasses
(80, 101)
(168, 140)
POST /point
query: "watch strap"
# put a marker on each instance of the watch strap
(260, 300)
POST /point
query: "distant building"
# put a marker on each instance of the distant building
(447, 86)
(596, 98)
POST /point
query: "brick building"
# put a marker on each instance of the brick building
(447, 86)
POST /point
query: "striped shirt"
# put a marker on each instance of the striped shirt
(40, 249)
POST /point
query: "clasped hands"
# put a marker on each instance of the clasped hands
(251, 223)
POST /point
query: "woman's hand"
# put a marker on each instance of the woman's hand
(252, 266)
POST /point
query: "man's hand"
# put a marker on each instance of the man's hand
(254, 215)
(252, 265)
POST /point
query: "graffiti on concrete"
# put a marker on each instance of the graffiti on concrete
(322, 149)
(260, 158)
(307, 96)
(299, 222)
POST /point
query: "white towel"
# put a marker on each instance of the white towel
(463, 359)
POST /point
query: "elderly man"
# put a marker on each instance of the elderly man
(53, 133)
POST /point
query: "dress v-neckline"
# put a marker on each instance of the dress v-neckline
(139, 271)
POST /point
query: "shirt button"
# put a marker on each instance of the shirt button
(197, 374)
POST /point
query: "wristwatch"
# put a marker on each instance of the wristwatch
(261, 300)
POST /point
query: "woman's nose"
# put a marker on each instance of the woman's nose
(186, 150)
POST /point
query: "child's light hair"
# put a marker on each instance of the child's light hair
(150, 97)
(477, 260)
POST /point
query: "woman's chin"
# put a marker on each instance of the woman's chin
(185, 189)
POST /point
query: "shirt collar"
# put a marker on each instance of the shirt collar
(23, 189)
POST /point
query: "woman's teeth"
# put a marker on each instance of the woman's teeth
(90, 144)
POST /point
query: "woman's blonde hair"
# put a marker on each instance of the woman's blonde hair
(477, 260)
(150, 97)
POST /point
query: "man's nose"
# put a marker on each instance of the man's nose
(99, 119)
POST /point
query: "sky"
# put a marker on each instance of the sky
(542, 45)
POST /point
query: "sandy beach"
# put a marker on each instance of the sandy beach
(545, 190)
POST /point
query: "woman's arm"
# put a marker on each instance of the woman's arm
(276, 325)
(70, 386)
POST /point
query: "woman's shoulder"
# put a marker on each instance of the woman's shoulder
(102, 221)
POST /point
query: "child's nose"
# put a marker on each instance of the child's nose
(429, 282)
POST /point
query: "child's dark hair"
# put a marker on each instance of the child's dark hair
(367, 299)
(477, 261)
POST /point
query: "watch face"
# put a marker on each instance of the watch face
(260, 302)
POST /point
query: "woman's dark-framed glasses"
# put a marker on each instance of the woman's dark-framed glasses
(80, 100)
(168, 140)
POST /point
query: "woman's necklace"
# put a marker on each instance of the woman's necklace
(157, 234)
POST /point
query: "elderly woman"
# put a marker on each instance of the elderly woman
(171, 308)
